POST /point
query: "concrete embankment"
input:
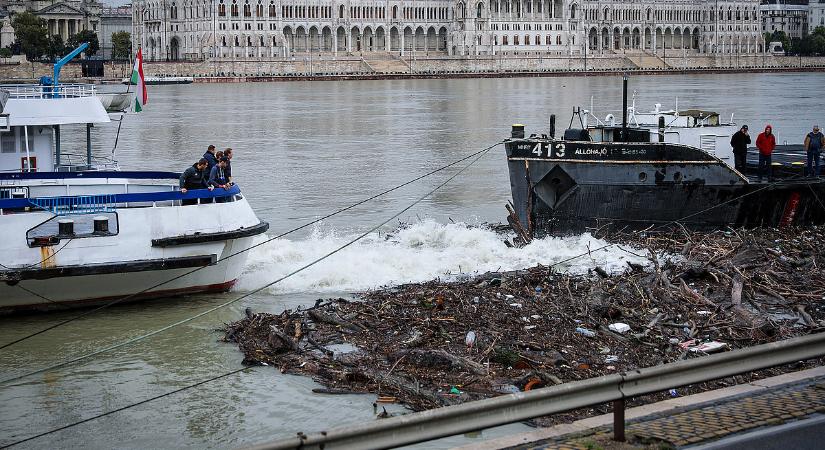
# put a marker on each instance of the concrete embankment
(386, 66)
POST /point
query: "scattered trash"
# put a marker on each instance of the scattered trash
(619, 327)
(585, 331)
(470, 339)
(386, 399)
(454, 390)
(709, 347)
(698, 293)
(673, 393)
(506, 389)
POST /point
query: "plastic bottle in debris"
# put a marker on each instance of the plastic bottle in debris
(585, 332)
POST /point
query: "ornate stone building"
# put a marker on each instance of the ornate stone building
(204, 29)
(64, 18)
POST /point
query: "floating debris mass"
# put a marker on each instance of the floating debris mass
(439, 343)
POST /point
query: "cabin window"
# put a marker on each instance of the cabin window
(7, 142)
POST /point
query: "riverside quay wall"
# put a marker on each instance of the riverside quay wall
(378, 66)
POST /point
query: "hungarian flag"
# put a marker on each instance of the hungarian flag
(139, 81)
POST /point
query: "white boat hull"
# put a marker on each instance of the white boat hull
(150, 248)
(57, 294)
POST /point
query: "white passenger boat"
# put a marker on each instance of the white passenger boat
(77, 231)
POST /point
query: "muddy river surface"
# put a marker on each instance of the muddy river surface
(303, 150)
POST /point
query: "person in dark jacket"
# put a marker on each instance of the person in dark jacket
(209, 156)
(814, 143)
(766, 142)
(740, 142)
(217, 176)
(228, 170)
(194, 177)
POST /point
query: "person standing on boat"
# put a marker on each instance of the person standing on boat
(740, 142)
(194, 177)
(228, 170)
(766, 142)
(217, 176)
(814, 143)
(209, 156)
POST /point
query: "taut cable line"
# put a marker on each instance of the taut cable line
(266, 241)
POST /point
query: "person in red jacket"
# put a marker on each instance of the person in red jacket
(766, 142)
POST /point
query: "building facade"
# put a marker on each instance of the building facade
(816, 14)
(113, 20)
(790, 16)
(204, 29)
(63, 18)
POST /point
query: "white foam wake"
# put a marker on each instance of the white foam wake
(421, 252)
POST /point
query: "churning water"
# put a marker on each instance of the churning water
(302, 151)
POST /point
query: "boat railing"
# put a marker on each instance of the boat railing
(37, 91)
(70, 162)
(78, 174)
(93, 204)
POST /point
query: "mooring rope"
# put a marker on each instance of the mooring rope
(266, 241)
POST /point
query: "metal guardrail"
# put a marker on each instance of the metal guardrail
(452, 420)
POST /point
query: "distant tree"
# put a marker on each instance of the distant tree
(5, 52)
(85, 36)
(55, 48)
(121, 45)
(818, 44)
(30, 34)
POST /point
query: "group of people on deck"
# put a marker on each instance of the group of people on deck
(766, 143)
(213, 170)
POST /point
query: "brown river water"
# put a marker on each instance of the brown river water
(304, 149)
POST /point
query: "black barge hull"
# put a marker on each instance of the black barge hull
(562, 187)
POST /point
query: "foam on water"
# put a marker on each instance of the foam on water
(421, 252)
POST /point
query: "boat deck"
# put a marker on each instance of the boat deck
(788, 163)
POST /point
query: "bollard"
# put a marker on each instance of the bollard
(101, 225)
(65, 227)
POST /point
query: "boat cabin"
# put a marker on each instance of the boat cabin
(31, 122)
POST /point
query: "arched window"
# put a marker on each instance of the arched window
(573, 11)
(272, 10)
(504, 40)
(249, 41)
(247, 9)
(259, 9)
(237, 43)
(233, 10)
(223, 41)
(395, 12)
(479, 9)
(341, 11)
(173, 11)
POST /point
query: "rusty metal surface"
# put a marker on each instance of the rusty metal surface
(573, 187)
